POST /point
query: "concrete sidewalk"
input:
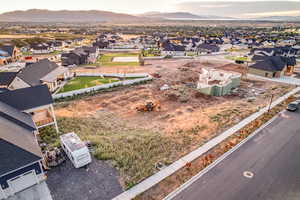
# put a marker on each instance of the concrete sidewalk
(284, 79)
(171, 169)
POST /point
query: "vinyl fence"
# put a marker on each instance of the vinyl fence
(140, 78)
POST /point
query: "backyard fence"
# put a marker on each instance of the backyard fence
(139, 78)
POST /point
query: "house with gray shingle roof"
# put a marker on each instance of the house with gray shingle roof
(36, 101)
(20, 155)
(39, 73)
(270, 66)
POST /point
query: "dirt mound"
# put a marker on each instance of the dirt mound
(235, 68)
(192, 64)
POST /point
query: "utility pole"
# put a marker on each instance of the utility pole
(271, 101)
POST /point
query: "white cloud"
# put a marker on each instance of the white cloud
(280, 13)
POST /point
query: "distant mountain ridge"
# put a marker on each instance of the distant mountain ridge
(94, 16)
(37, 15)
(178, 15)
(281, 18)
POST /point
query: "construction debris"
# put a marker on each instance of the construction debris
(149, 106)
(54, 158)
(164, 87)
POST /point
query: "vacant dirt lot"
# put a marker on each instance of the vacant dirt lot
(135, 141)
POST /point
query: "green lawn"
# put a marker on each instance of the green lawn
(237, 58)
(106, 60)
(85, 82)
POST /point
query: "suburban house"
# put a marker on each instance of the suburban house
(273, 62)
(273, 66)
(39, 73)
(76, 57)
(41, 48)
(36, 101)
(56, 45)
(170, 49)
(101, 44)
(93, 53)
(21, 157)
(8, 54)
(80, 56)
(208, 48)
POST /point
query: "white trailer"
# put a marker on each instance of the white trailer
(75, 149)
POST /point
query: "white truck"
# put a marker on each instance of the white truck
(75, 149)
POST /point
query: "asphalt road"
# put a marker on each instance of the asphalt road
(273, 156)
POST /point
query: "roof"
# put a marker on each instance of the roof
(27, 98)
(16, 116)
(270, 63)
(14, 157)
(7, 77)
(18, 145)
(32, 74)
(211, 47)
(167, 46)
(89, 49)
(52, 76)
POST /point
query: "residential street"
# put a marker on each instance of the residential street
(271, 157)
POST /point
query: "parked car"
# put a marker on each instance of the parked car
(293, 106)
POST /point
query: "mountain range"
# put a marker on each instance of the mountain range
(179, 16)
(36, 15)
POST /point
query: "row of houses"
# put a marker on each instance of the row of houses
(53, 45)
(171, 49)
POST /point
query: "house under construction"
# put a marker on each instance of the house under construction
(217, 82)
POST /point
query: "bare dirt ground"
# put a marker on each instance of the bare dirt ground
(15, 36)
(187, 117)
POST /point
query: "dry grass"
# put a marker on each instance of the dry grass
(133, 151)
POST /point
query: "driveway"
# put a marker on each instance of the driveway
(97, 181)
(37, 192)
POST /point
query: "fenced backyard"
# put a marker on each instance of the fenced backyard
(91, 82)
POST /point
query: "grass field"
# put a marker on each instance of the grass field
(237, 58)
(106, 60)
(85, 82)
(134, 152)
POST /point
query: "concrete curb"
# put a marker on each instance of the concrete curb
(217, 161)
(171, 169)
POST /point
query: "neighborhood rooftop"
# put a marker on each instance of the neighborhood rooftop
(15, 116)
(27, 98)
(13, 157)
(33, 74)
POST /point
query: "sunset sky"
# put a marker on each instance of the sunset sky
(234, 8)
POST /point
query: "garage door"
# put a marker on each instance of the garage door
(1, 193)
(23, 181)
